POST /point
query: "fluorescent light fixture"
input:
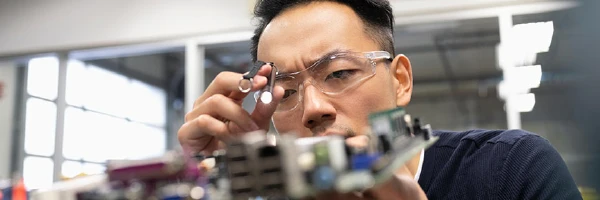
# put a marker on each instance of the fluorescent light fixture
(519, 80)
(508, 89)
(533, 37)
(524, 42)
(526, 76)
(523, 102)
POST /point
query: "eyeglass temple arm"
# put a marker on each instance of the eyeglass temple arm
(378, 55)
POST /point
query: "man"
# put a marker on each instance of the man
(336, 66)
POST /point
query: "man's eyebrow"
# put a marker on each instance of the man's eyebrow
(316, 60)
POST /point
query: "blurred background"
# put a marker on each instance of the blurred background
(83, 82)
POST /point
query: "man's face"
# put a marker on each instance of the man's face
(300, 35)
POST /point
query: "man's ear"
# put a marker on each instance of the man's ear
(402, 76)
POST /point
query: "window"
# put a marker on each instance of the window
(42, 77)
(97, 89)
(108, 116)
(146, 104)
(101, 90)
(38, 172)
(76, 83)
(40, 122)
(72, 169)
(95, 137)
(40, 125)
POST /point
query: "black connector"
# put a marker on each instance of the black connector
(417, 126)
(385, 144)
(252, 73)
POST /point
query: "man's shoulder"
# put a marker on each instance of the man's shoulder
(506, 164)
(481, 137)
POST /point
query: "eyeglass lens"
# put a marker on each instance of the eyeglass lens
(331, 76)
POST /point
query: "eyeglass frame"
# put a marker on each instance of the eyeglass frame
(372, 56)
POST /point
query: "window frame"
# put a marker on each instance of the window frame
(19, 154)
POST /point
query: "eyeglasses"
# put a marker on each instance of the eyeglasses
(332, 75)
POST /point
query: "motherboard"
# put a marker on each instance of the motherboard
(258, 165)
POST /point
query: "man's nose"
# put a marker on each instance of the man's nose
(317, 108)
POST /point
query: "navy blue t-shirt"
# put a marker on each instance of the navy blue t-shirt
(495, 164)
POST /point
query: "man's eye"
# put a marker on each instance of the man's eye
(288, 93)
(341, 74)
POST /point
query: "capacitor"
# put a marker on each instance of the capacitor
(321, 152)
(363, 161)
(306, 161)
(323, 178)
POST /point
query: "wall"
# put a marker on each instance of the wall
(72, 24)
(8, 73)
(583, 107)
(553, 118)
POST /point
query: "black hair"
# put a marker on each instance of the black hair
(376, 15)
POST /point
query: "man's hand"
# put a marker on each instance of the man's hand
(218, 113)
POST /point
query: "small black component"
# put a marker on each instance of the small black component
(384, 143)
(417, 126)
(270, 159)
(254, 70)
(268, 151)
(200, 157)
(427, 132)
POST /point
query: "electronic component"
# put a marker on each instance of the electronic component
(266, 93)
(171, 176)
(304, 167)
(245, 84)
(259, 165)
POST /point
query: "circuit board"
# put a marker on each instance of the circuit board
(269, 166)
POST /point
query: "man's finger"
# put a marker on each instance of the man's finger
(224, 107)
(202, 133)
(226, 83)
